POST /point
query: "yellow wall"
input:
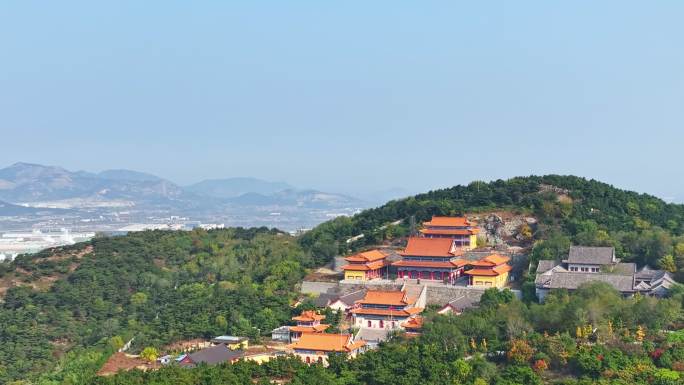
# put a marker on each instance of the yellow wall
(239, 345)
(313, 358)
(498, 281)
(473, 241)
(352, 274)
(260, 358)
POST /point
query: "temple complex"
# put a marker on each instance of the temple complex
(315, 348)
(459, 229)
(381, 309)
(490, 271)
(431, 258)
(366, 265)
(307, 323)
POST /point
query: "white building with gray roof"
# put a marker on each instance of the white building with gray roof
(598, 264)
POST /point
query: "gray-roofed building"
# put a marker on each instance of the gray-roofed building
(572, 281)
(582, 255)
(347, 301)
(459, 304)
(654, 282)
(545, 265)
(598, 264)
(211, 356)
(373, 337)
(324, 299)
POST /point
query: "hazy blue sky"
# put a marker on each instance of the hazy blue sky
(349, 95)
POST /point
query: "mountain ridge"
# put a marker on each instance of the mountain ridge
(35, 184)
(236, 186)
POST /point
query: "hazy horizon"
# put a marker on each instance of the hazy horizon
(390, 192)
(351, 98)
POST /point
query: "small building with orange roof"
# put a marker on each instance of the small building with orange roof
(381, 309)
(413, 326)
(459, 229)
(307, 323)
(315, 348)
(366, 265)
(431, 258)
(490, 271)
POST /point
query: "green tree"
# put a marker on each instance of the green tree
(149, 354)
(667, 263)
(116, 342)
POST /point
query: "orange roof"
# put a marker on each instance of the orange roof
(447, 264)
(491, 260)
(482, 272)
(387, 312)
(490, 272)
(497, 259)
(413, 323)
(365, 266)
(390, 298)
(367, 256)
(431, 247)
(451, 231)
(327, 343)
(308, 316)
(449, 222)
(309, 329)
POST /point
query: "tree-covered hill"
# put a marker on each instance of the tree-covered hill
(65, 308)
(156, 287)
(570, 209)
(592, 336)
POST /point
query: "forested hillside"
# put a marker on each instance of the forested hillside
(66, 306)
(504, 342)
(156, 287)
(570, 209)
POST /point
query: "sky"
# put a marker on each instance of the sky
(348, 96)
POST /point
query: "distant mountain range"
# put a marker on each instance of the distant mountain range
(49, 186)
(298, 198)
(235, 187)
(27, 183)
